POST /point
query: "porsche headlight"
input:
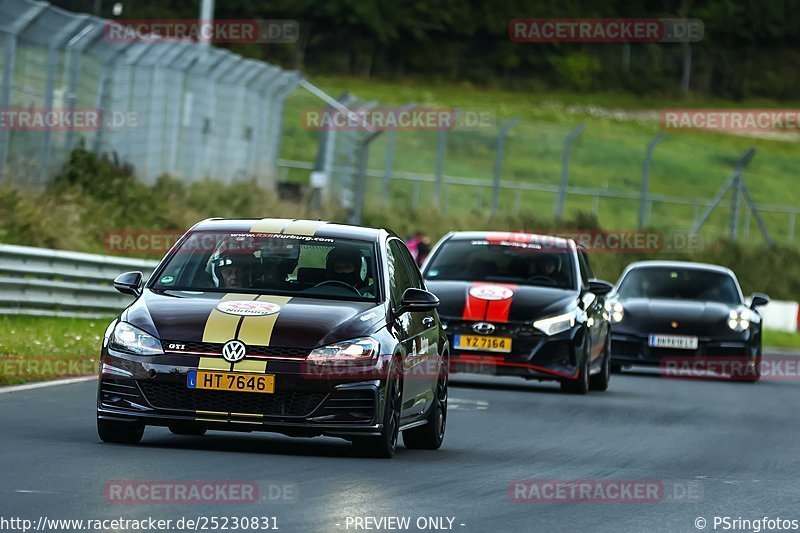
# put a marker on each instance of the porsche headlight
(556, 324)
(355, 351)
(739, 319)
(128, 338)
(615, 312)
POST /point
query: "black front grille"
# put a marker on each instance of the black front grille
(352, 404)
(281, 403)
(114, 390)
(215, 347)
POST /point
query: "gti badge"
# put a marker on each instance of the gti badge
(233, 351)
(484, 328)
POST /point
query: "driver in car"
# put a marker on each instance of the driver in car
(345, 265)
(227, 269)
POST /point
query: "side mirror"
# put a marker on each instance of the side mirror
(600, 287)
(758, 299)
(129, 283)
(417, 300)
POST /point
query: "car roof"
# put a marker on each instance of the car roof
(532, 238)
(292, 226)
(680, 264)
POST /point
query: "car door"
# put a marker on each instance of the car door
(598, 326)
(427, 343)
(406, 327)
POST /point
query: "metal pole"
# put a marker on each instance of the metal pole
(645, 202)
(498, 163)
(687, 67)
(206, 17)
(791, 225)
(749, 199)
(441, 148)
(561, 200)
(357, 215)
(387, 166)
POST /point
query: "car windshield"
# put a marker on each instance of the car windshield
(314, 267)
(506, 262)
(679, 284)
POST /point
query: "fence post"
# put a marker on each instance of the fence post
(644, 206)
(791, 225)
(357, 214)
(498, 163)
(441, 148)
(387, 166)
(561, 200)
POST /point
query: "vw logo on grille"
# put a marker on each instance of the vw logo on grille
(233, 351)
(483, 328)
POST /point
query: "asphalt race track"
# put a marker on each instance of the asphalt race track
(719, 448)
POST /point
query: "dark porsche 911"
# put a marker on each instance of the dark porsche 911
(292, 326)
(517, 304)
(671, 312)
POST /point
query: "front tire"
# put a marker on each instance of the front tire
(580, 385)
(599, 382)
(384, 445)
(119, 432)
(431, 435)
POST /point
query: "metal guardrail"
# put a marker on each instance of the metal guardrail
(40, 281)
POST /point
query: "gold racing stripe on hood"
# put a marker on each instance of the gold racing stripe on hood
(270, 225)
(306, 228)
(250, 365)
(221, 327)
(257, 330)
(213, 363)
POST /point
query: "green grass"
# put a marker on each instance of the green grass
(43, 348)
(608, 154)
(781, 339)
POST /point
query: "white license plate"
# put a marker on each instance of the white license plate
(681, 342)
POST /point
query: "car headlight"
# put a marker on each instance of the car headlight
(615, 312)
(739, 319)
(128, 338)
(355, 351)
(556, 324)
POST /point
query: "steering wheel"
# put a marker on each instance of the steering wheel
(539, 277)
(337, 282)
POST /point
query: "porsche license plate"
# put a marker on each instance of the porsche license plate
(680, 342)
(231, 381)
(486, 344)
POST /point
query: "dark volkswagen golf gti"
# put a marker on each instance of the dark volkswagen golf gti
(518, 304)
(299, 327)
(681, 315)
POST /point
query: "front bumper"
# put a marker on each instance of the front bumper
(153, 391)
(632, 349)
(533, 354)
